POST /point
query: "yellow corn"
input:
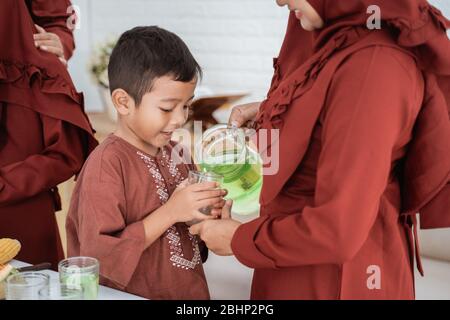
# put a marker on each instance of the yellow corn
(9, 248)
(2, 290)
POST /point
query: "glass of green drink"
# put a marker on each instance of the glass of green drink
(199, 177)
(81, 272)
(229, 152)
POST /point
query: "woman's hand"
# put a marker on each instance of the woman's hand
(243, 115)
(49, 42)
(218, 234)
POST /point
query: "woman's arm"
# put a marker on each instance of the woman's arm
(371, 105)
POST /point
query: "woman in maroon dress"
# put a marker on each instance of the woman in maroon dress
(364, 145)
(45, 136)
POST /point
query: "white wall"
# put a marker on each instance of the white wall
(233, 40)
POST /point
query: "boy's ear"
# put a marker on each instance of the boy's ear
(122, 101)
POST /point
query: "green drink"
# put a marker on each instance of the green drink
(226, 153)
(89, 283)
(80, 272)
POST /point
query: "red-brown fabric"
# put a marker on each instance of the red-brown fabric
(45, 136)
(296, 49)
(363, 146)
(420, 28)
(33, 160)
(34, 78)
(423, 35)
(118, 187)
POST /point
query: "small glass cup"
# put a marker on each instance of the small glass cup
(199, 177)
(26, 285)
(58, 291)
(81, 272)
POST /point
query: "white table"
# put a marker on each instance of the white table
(104, 293)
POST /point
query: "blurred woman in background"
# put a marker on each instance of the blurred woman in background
(45, 136)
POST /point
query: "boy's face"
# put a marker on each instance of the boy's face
(162, 110)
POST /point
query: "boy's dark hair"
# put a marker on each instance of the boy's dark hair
(143, 54)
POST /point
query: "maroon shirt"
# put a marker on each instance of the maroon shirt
(118, 187)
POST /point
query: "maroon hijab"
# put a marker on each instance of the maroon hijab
(296, 49)
(417, 25)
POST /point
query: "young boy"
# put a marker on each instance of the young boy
(128, 209)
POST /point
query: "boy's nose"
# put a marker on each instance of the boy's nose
(179, 119)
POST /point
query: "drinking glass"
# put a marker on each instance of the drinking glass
(81, 272)
(58, 291)
(26, 285)
(199, 177)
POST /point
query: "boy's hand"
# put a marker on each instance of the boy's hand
(49, 42)
(183, 184)
(185, 202)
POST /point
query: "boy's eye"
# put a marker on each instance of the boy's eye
(186, 107)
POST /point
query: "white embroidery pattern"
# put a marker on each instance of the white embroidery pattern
(176, 250)
(173, 169)
(177, 256)
(161, 188)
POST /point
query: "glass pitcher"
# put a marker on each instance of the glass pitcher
(227, 151)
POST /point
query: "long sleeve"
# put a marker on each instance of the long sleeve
(62, 157)
(370, 108)
(103, 231)
(436, 214)
(53, 17)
